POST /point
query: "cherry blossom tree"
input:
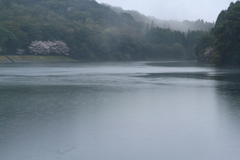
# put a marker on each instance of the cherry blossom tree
(208, 53)
(58, 47)
(48, 47)
(39, 47)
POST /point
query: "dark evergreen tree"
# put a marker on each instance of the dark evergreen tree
(226, 38)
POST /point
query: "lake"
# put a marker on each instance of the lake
(119, 111)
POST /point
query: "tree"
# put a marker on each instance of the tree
(7, 3)
(8, 41)
(15, 28)
(222, 45)
(227, 36)
(178, 50)
(203, 44)
(39, 47)
(222, 17)
(58, 47)
(48, 47)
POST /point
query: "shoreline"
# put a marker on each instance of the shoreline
(34, 59)
(60, 59)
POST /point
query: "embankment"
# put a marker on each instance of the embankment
(33, 58)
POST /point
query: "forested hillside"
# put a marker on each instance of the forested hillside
(86, 30)
(222, 45)
(183, 26)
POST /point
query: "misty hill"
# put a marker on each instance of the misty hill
(183, 26)
(222, 45)
(90, 30)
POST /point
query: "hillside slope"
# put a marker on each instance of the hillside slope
(91, 31)
(222, 45)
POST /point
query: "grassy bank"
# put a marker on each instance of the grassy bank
(4, 59)
(33, 58)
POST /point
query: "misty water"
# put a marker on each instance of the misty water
(119, 111)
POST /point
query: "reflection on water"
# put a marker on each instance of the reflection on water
(120, 111)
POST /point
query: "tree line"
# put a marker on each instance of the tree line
(222, 45)
(183, 26)
(88, 31)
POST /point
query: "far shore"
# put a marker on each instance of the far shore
(34, 58)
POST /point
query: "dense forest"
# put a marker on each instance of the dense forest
(87, 30)
(222, 45)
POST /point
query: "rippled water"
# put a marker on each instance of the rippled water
(119, 111)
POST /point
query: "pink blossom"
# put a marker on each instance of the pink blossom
(48, 47)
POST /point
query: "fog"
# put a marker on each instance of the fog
(175, 9)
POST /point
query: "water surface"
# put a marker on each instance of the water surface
(119, 111)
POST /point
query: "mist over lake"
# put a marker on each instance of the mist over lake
(119, 111)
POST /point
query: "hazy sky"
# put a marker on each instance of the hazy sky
(175, 9)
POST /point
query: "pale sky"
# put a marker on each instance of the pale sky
(207, 10)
